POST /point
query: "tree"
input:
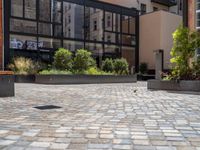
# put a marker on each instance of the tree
(185, 44)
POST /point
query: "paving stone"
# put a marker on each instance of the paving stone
(107, 116)
(58, 146)
(40, 144)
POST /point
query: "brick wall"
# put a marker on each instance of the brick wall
(1, 35)
(191, 14)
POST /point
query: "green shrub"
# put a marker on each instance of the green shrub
(121, 66)
(63, 59)
(24, 66)
(108, 65)
(94, 71)
(143, 68)
(83, 61)
(54, 72)
(185, 44)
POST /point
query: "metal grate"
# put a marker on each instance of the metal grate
(47, 107)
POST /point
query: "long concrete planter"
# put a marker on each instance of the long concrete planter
(184, 85)
(84, 79)
(25, 78)
(7, 88)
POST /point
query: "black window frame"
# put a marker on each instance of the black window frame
(105, 7)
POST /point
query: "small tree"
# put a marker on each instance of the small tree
(121, 66)
(185, 44)
(63, 59)
(143, 68)
(108, 65)
(83, 61)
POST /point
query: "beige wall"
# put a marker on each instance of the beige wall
(156, 33)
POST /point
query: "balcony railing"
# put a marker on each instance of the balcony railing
(168, 3)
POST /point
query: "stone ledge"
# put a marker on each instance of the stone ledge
(84, 79)
(184, 85)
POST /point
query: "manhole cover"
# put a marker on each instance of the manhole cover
(46, 107)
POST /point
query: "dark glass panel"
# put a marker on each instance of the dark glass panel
(23, 26)
(128, 40)
(73, 45)
(94, 24)
(30, 9)
(58, 30)
(73, 20)
(49, 43)
(17, 8)
(23, 42)
(129, 54)
(44, 13)
(45, 29)
(57, 11)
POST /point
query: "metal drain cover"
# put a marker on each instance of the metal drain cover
(47, 107)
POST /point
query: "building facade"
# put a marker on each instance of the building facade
(36, 28)
(147, 6)
(107, 28)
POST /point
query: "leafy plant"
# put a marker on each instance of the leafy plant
(54, 72)
(83, 61)
(22, 65)
(185, 44)
(108, 65)
(121, 66)
(143, 68)
(63, 59)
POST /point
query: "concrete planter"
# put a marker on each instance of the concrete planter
(142, 77)
(25, 78)
(7, 88)
(184, 85)
(84, 79)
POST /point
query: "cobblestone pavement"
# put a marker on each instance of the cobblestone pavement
(98, 117)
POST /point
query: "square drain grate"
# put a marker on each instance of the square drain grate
(47, 107)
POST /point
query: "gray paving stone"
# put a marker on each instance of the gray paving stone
(107, 116)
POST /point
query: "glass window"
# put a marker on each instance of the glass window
(57, 11)
(45, 9)
(23, 42)
(45, 29)
(143, 9)
(111, 37)
(49, 43)
(73, 45)
(128, 40)
(24, 26)
(17, 8)
(129, 54)
(30, 9)
(112, 51)
(94, 24)
(73, 22)
(58, 30)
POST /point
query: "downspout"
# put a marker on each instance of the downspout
(185, 13)
(3, 35)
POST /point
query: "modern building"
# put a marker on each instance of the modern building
(158, 20)
(108, 28)
(192, 14)
(147, 6)
(36, 28)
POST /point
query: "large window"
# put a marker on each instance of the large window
(42, 26)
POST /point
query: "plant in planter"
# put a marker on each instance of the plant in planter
(63, 59)
(108, 65)
(83, 61)
(143, 68)
(121, 66)
(24, 66)
(183, 51)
